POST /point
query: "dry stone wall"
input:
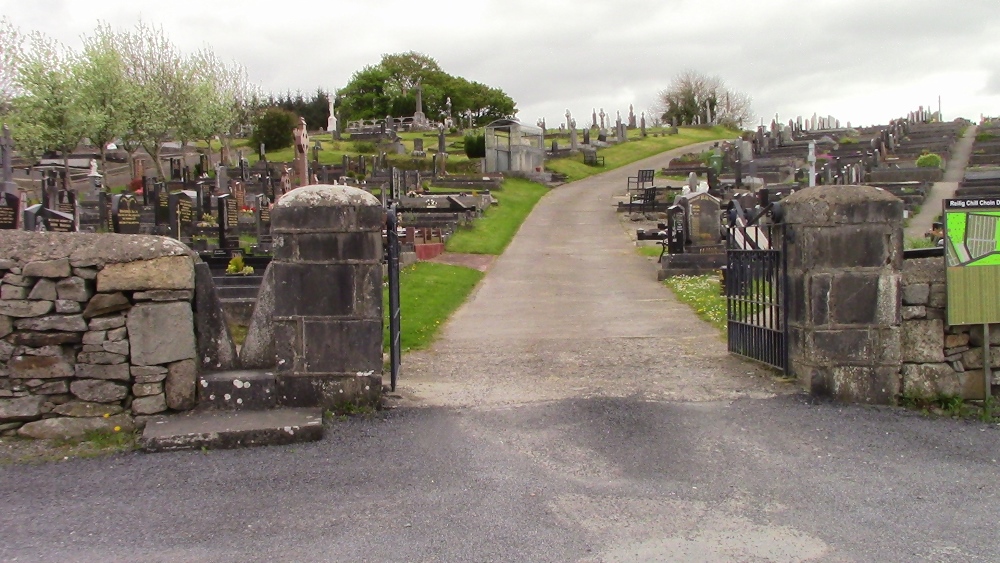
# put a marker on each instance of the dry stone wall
(937, 358)
(96, 332)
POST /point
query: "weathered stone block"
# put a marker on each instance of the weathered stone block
(314, 289)
(73, 289)
(52, 350)
(7, 264)
(149, 405)
(47, 269)
(23, 308)
(168, 272)
(38, 339)
(976, 335)
(40, 367)
(22, 408)
(44, 290)
(95, 337)
(84, 409)
(65, 306)
(149, 374)
(56, 387)
(118, 371)
(8, 291)
(938, 296)
(258, 350)
(98, 390)
(119, 347)
(180, 385)
(85, 273)
(164, 295)
(107, 323)
(914, 312)
(6, 325)
(72, 428)
(344, 347)
(854, 298)
(6, 350)
(101, 358)
(834, 347)
(17, 279)
(106, 303)
(117, 334)
(147, 389)
(973, 358)
(67, 323)
(216, 350)
(148, 322)
(923, 341)
(916, 293)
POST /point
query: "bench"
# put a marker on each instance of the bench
(640, 182)
(591, 159)
(645, 200)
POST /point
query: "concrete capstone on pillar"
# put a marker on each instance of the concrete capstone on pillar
(327, 316)
(845, 256)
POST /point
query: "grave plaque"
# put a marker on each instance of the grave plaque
(263, 215)
(38, 218)
(239, 191)
(704, 219)
(104, 203)
(161, 213)
(125, 214)
(204, 197)
(9, 205)
(181, 214)
(228, 219)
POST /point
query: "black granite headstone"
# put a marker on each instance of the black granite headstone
(104, 203)
(125, 214)
(38, 218)
(181, 214)
(229, 223)
(8, 211)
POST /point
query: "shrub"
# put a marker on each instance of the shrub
(981, 137)
(475, 145)
(929, 160)
(274, 128)
(135, 185)
(237, 266)
(364, 147)
(848, 141)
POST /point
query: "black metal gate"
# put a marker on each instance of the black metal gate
(392, 259)
(756, 298)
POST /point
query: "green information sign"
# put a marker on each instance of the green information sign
(972, 259)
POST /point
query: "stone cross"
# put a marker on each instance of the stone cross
(301, 157)
(602, 114)
(569, 118)
(593, 117)
(6, 148)
(642, 123)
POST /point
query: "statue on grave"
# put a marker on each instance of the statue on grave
(331, 122)
(93, 169)
(602, 114)
(447, 105)
(301, 148)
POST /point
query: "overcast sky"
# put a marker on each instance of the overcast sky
(864, 61)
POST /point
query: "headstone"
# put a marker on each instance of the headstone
(10, 206)
(418, 145)
(631, 117)
(262, 216)
(239, 191)
(301, 135)
(705, 219)
(642, 124)
(603, 115)
(441, 140)
(39, 218)
(811, 159)
(586, 137)
(7, 184)
(161, 211)
(181, 213)
(229, 222)
(204, 198)
(573, 141)
(105, 213)
(593, 117)
(67, 204)
(125, 214)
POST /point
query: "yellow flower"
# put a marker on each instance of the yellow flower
(118, 428)
(107, 414)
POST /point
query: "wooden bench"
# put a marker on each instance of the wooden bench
(638, 183)
(591, 159)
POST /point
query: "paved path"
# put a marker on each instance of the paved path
(953, 174)
(571, 310)
(587, 417)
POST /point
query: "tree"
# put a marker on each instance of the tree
(388, 89)
(105, 94)
(11, 42)
(47, 110)
(273, 129)
(693, 97)
(156, 72)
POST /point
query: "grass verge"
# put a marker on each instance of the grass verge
(637, 149)
(701, 293)
(492, 233)
(92, 444)
(428, 294)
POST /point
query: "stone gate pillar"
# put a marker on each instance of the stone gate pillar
(327, 274)
(845, 257)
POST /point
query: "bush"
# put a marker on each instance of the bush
(475, 145)
(929, 160)
(848, 141)
(364, 147)
(274, 128)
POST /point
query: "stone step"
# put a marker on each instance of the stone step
(237, 390)
(241, 281)
(231, 429)
(228, 292)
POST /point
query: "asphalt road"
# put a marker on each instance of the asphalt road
(571, 411)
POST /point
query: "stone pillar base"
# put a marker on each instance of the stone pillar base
(328, 391)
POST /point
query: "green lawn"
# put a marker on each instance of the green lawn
(637, 148)
(701, 293)
(493, 232)
(428, 294)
